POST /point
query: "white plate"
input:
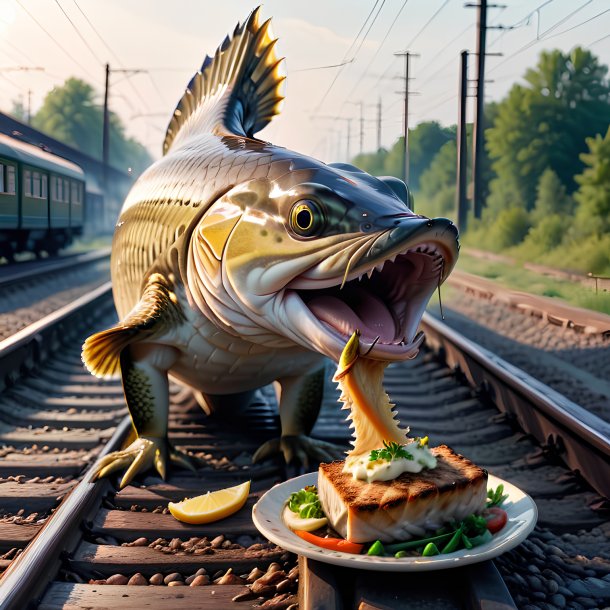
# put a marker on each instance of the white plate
(266, 513)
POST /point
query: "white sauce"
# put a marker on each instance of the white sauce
(364, 469)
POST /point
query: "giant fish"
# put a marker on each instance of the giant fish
(237, 263)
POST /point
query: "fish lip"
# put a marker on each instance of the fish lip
(433, 243)
(446, 241)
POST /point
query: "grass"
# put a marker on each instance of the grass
(516, 277)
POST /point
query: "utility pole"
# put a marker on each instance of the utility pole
(379, 124)
(462, 156)
(106, 128)
(349, 137)
(361, 127)
(29, 106)
(478, 144)
(407, 55)
(106, 125)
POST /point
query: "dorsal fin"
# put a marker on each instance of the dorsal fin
(238, 91)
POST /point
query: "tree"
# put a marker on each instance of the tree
(438, 182)
(70, 114)
(551, 197)
(544, 124)
(373, 163)
(19, 111)
(593, 195)
(425, 141)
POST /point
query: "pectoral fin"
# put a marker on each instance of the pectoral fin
(156, 311)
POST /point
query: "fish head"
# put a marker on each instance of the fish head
(312, 256)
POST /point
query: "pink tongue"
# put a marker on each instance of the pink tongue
(341, 316)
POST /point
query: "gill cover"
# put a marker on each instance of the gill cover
(238, 91)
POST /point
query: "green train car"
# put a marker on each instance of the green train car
(42, 199)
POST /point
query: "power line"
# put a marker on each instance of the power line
(376, 54)
(434, 15)
(61, 8)
(579, 24)
(85, 70)
(96, 32)
(541, 37)
(598, 40)
(422, 29)
(332, 84)
(116, 57)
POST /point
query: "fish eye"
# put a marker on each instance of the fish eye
(306, 218)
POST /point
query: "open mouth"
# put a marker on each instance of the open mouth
(385, 303)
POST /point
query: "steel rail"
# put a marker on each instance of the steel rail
(581, 438)
(53, 266)
(28, 346)
(30, 573)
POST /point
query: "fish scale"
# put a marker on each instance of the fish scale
(235, 263)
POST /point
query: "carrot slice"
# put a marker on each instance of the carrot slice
(333, 544)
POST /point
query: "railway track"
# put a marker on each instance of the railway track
(99, 543)
(26, 271)
(33, 292)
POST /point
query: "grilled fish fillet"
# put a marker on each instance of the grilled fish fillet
(405, 507)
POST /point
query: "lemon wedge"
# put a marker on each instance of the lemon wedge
(212, 506)
(294, 522)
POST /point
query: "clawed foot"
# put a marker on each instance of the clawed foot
(299, 449)
(142, 454)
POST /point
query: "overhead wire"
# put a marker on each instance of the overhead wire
(579, 24)
(57, 43)
(542, 36)
(336, 77)
(78, 33)
(413, 39)
(390, 65)
(115, 56)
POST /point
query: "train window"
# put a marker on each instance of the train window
(10, 180)
(2, 168)
(74, 192)
(43, 186)
(36, 185)
(66, 192)
(60, 192)
(53, 188)
(27, 183)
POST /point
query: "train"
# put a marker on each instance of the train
(42, 199)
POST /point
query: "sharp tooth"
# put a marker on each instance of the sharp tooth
(393, 258)
(369, 273)
(379, 267)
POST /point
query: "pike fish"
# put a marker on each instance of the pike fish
(237, 263)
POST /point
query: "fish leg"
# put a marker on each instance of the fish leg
(300, 402)
(144, 369)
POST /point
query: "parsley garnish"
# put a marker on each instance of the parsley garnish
(391, 451)
(496, 497)
(306, 503)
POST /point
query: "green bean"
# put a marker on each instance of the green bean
(430, 549)
(413, 544)
(466, 541)
(376, 548)
(454, 543)
(401, 554)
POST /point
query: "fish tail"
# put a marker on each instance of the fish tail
(238, 91)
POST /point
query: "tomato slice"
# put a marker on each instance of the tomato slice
(496, 518)
(333, 544)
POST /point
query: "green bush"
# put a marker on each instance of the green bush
(546, 235)
(509, 228)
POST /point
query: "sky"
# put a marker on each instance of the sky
(164, 43)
